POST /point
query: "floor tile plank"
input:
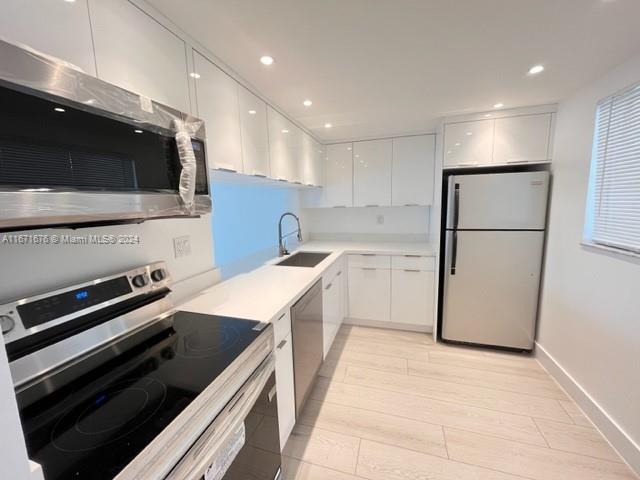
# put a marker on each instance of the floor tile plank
(481, 420)
(324, 448)
(578, 417)
(377, 461)
(392, 349)
(381, 427)
(527, 367)
(537, 463)
(499, 400)
(577, 439)
(294, 469)
(544, 387)
(385, 335)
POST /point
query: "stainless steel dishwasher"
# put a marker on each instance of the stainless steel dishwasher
(306, 324)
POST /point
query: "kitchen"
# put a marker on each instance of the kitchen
(261, 240)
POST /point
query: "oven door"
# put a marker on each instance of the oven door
(243, 441)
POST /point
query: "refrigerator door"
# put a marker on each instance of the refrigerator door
(491, 287)
(498, 201)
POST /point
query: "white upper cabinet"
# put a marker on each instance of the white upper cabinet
(338, 175)
(468, 143)
(413, 170)
(523, 138)
(320, 153)
(311, 161)
(56, 28)
(135, 52)
(372, 173)
(285, 143)
(217, 99)
(255, 139)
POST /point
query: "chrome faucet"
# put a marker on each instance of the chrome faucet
(282, 250)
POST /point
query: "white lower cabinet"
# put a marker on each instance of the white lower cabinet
(370, 293)
(332, 303)
(412, 297)
(285, 385)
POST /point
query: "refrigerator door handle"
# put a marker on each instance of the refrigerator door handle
(456, 205)
(454, 252)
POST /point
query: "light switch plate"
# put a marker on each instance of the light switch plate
(182, 246)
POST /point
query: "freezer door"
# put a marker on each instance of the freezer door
(498, 201)
(491, 287)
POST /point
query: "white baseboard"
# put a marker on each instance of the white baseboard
(628, 449)
(393, 326)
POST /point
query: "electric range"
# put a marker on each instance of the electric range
(135, 389)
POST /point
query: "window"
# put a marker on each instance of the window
(613, 213)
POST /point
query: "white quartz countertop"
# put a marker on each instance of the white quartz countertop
(263, 293)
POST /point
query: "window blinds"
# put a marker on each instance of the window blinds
(616, 173)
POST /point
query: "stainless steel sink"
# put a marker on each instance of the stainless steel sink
(304, 259)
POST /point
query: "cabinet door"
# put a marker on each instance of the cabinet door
(372, 173)
(338, 175)
(412, 297)
(330, 311)
(468, 143)
(522, 139)
(285, 387)
(217, 97)
(253, 130)
(370, 293)
(413, 170)
(284, 146)
(57, 28)
(307, 159)
(135, 52)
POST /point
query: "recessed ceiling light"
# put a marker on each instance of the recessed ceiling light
(69, 1)
(194, 75)
(307, 103)
(487, 115)
(266, 60)
(252, 112)
(458, 144)
(59, 109)
(536, 69)
(137, 130)
(327, 125)
(285, 131)
(498, 105)
(468, 134)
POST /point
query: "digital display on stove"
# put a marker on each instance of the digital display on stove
(56, 306)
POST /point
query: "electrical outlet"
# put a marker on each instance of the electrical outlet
(182, 246)
(380, 219)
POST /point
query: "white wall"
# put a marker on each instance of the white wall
(590, 308)
(399, 223)
(29, 269)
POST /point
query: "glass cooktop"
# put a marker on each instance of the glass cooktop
(95, 425)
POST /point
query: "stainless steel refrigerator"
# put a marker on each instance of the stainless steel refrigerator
(495, 228)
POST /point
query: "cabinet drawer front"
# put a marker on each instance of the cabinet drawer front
(281, 326)
(335, 270)
(413, 262)
(370, 261)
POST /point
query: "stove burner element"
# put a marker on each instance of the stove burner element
(207, 341)
(108, 416)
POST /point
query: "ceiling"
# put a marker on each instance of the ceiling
(384, 67)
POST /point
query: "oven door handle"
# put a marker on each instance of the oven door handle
(222, 436)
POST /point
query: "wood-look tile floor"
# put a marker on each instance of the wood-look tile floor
(392, 405)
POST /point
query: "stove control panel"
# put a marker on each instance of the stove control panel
(34, 314)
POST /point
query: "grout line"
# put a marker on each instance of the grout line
(446, 447)
(542, 434)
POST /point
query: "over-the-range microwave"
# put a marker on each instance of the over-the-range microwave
(78, 151)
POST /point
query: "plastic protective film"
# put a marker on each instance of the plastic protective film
(25, 69)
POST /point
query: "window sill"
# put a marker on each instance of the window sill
(611, 251)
